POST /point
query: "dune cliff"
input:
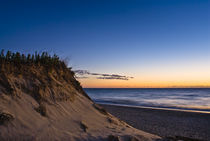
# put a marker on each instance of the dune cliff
(46, 102)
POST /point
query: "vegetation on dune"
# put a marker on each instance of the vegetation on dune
(43, 76)
(5, 117)
(41, 109)
(43, 59)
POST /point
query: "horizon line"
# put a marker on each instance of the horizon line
(146, 87)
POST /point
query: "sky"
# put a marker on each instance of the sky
(136, 43)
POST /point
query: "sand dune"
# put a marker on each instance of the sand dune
(36, 104)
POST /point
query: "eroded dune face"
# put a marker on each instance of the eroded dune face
(37, 103)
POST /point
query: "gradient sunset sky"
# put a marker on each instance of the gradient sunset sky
(161, 43)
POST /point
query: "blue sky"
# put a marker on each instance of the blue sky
(128, 37)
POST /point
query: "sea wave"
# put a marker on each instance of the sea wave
(179, 99)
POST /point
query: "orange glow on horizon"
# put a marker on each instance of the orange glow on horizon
(195, 76)
(94, 83)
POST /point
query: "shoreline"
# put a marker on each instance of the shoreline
(161, 108)
(164, 122)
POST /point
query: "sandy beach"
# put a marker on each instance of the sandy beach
(165, 123)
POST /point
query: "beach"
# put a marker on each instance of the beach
(165, 123)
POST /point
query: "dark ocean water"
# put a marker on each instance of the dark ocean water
(196, 99)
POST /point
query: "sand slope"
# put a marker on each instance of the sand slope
(62, 111)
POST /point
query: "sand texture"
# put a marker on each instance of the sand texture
(165, 123)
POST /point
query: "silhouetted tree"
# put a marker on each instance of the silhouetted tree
(8, 55)
(44, 59)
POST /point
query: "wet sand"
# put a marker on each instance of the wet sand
(165, 123)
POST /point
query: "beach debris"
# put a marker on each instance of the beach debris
(113, 138)
(5, 117)
(83, 126)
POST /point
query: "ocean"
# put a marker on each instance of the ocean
(187, 99)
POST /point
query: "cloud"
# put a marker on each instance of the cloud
(81, 72)
(86, 74)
